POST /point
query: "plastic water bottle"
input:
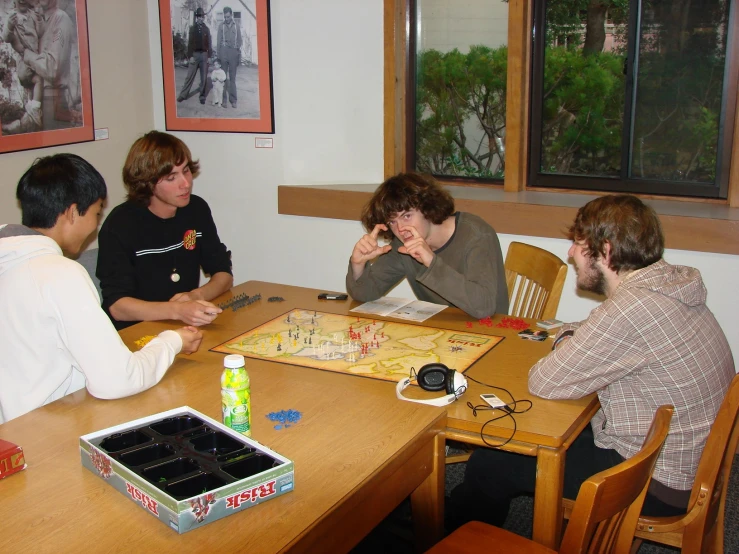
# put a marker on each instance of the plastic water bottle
(236, 395)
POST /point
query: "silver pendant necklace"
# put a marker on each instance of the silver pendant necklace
(175, 277)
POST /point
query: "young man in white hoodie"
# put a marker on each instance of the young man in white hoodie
(653, 341)
(55, 337)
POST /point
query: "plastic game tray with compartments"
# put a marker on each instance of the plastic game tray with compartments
(185, 468)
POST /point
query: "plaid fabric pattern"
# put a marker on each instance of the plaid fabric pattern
(653, 342)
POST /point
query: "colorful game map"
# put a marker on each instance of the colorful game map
(358, 345)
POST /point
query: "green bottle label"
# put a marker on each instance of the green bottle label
(236, 404)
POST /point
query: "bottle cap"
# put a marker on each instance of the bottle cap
(234, 361)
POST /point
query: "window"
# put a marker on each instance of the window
(625, 95)
(459, 60)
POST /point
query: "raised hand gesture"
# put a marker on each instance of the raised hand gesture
(417, 247)
(368, 249)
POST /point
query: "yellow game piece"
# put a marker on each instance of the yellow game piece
(143, 341)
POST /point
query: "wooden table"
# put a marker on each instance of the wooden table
(358, 453)
(546, 431)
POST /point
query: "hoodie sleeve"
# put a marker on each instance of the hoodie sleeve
(110, 368)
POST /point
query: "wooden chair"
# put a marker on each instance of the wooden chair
(701, 529)
(605, 513)
(537, 277)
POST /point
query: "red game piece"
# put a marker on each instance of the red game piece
(11, 459)
(513, 323)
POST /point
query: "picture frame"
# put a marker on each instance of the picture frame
(45, 82)
(196, 99)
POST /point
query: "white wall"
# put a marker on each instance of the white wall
(327, 60)
(327, 64)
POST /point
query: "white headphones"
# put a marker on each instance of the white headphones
(435, 377)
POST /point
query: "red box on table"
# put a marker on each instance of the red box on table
(11, 459)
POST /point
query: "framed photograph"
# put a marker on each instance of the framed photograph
(217, 65)
(45, 90)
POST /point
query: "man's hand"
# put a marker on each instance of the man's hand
(191, 339)
(193, 61)
(563, 338)
(417, 248)
(368, 249)
(196, 312)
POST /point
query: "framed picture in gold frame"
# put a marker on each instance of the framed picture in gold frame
(217, 65)
(45, 88)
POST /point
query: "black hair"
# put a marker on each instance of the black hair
(52, 184)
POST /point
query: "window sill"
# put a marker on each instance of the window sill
(698, 226)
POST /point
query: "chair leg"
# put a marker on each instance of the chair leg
(636, 545)
(718, 532)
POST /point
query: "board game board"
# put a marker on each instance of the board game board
(358, 345)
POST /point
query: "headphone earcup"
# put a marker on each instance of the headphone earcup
(458, 383)
(451, 381)
(435, 377)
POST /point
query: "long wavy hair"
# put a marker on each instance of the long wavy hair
(404, 192)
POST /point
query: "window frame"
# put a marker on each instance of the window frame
(624, 183)
(399, 106)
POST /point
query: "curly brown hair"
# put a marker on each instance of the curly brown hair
(151, 158)
(631, 228)
(404, 192)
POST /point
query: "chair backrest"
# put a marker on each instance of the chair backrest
(708, 496)
(608, 505)
(537, 277)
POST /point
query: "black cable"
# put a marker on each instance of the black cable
(509, 409)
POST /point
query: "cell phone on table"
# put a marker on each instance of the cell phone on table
(495, 402)
(332, 296)
(531, 334)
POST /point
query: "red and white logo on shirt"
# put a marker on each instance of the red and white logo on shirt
(188, 241)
